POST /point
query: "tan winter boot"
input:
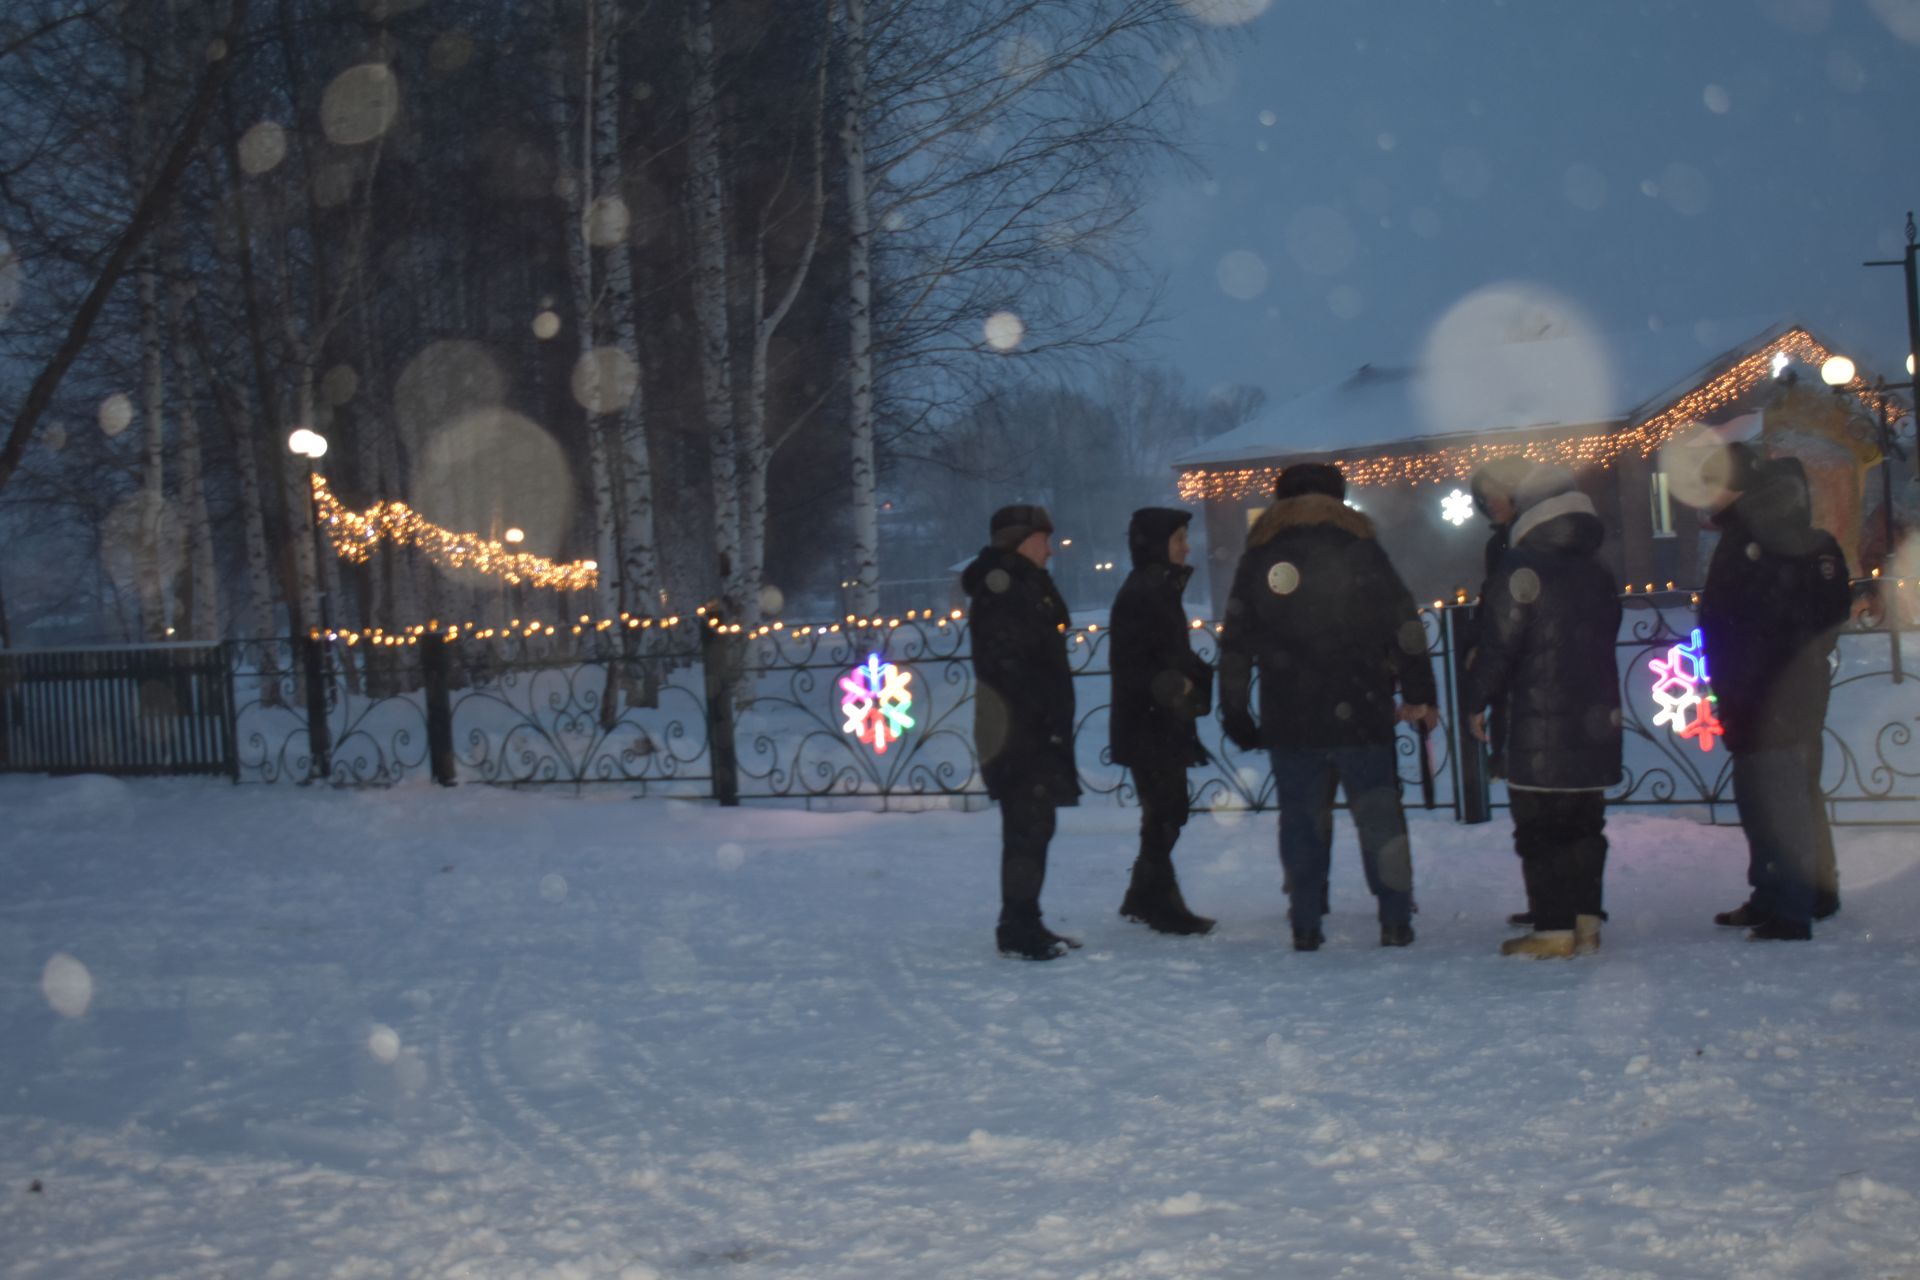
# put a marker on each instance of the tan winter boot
(1551, 944)
(1586, 935)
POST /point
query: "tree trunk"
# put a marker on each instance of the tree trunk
(153, 561)
(865, 598)
(710, 301)
(203, 621)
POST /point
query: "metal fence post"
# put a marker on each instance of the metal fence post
(1476, 799)
(434, 667)
(720, 660)
(319, 733)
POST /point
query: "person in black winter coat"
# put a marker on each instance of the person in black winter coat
(1775, 599)
(1023, 717)
(1317, 607)
(1160, 688)
(1494, 488)
(1547, 628)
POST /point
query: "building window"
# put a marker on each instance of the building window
(1662, 506)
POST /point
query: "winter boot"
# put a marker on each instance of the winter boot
(1777, 930)
(1744, 916)
(1554, 944)
(1061, 938)
(1143, 892)
(1825, 905)
(1028, 940)
(1586, 935)
(1521, 919)
(1396, 935)
(1188, 923)
(1308, 939)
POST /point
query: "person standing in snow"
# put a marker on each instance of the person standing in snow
(1493, 487)
(1022, 714)
(1318, 607)
(1775, 599)
(1547, 625)
(1160, 689)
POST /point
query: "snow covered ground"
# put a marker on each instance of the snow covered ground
(275, 1032)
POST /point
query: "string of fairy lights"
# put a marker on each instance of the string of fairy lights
(1575, 452)
(355, 534)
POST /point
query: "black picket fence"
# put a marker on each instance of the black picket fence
(693, 713)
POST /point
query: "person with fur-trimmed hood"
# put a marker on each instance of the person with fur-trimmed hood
(1022, 714)
(1160, 689)
(1775, 598)
(1548, 623)
(1318, 607)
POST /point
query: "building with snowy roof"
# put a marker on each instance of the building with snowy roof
(1622, 412)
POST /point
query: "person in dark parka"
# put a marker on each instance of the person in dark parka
(1546, 651)
(1023, 715)
(1775, 598)
(1160, 689)
(1318, 607)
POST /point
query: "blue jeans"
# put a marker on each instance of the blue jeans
(1784, 823)
(1306, 778)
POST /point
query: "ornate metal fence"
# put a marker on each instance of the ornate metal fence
(699, 712)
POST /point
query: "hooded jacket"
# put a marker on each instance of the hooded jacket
(1317, 607)
(1160, 685)
(1023, 715)
(1548, 626)
(1775, 599)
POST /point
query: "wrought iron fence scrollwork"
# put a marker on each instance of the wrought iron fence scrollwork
(538, 710)
(376, 739)
(796, 740)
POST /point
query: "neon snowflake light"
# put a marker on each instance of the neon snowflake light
(1456, 508)
(1679, 688)
(875, 700)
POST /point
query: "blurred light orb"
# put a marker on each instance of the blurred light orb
(116, 414)
(450, 51)
(1346, 302)
(1698, 467)
(1902, 17)
(360, 105)
(1513, 354)
(1718, 100)
(1649, 188)
(383, 1042)
(448, 378)
(730, 856)
(262, 148)
(514, 536)
(307, 444)
(56, 438)
(772, 600)
(1586, 187)
(491, 460)
(12, 278)
(1241, 274)
(67, 985)
(1909, 364)
(546, 325)
(1837, 371)
(608, 222)
(553, 887)
(1004, 330)
(1224, 13)
(1268, 118)
(605, 380)
(1386, 141)
(339, 385)
(1321, 241)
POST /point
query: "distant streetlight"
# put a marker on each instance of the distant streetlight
(1837, 371)
(515, 536)
(310, 445)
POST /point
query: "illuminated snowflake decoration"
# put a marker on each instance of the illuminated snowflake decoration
(1679, 688)
(1456, 508)
(875, 700)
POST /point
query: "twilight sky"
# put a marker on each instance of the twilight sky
(1374, 162)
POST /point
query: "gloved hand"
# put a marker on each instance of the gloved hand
(1241, 731)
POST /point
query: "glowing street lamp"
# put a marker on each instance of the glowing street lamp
(1837, 371)
(515, 536)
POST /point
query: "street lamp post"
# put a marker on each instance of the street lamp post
(1907, 263)
(1837, 373)
(312, 446)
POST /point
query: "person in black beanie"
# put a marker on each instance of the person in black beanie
(1022, 714)
(1160, 689)
(1548, 622)
(1318, 607)
(1775, 598)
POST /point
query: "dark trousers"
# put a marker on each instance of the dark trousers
(1306, 779)
(1826, 873)
(1562, 842)
(1777, 794)
(1163, 810)
(1026, 828)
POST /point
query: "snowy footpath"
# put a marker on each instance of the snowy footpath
(274, 1032)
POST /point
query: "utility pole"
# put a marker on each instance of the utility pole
(1912, 269)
